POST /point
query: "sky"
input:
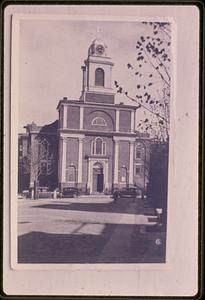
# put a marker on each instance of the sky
(52, 53)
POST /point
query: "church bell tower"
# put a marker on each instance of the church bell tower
(97, 75)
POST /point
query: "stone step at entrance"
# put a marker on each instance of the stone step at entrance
(96, 196)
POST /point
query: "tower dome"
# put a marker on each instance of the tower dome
(98, 48)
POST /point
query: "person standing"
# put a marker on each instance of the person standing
(116, 195)
(134, 195)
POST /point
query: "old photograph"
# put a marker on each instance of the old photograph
(101, 150)
(93, 141)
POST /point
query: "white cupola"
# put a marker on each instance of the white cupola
(97, 74)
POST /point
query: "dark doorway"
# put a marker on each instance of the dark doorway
(100, 183)
(98, 178)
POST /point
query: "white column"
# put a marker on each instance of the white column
(132, 121)
(135, 119)
(106, 175)
(89, 174)
(80, 160)
(81, 117)
(116, 161)
(63, 160)
(117, 120)
(131, 163)
(65, 116)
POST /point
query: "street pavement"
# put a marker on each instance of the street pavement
(85, 230)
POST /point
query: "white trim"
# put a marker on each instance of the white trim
(94, 147)
(71, 135)
(117, 121)
(102, 124)
(63, 160)
(65, 116)
(80, 160)
(132, 125)
(135, 119)
(81, 117)
(116, 161)
(106, 179)
(131, 163)
(124, 138)
(91, 162)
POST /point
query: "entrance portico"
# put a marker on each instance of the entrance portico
(97, 175)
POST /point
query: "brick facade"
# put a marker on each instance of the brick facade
(97, 137)
(98, 148)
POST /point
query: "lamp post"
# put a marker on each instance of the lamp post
(124, 167)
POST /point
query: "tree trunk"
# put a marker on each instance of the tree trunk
(35, 189)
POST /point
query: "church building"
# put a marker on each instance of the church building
(99, 146)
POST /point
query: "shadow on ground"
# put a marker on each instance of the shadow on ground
(120, 206)
(40, 247)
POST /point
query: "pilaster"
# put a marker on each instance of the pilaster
(106, 175)
(62, 162)
(81, 117)
(80, 160)
(65, 116)
(117, 120)
(131, 162)
(116, 161)
(132, 121)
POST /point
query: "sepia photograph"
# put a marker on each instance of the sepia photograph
(93, 141)
(101, 150)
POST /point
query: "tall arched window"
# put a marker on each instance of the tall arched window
(98, 146)
(99, 77)
(70, 174)
(139, 151)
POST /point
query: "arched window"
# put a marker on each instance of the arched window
(99, 77)
(98, 147)
(138, 169)
(99, 121)
(70, 174)
(139, 151)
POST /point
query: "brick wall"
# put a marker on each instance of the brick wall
(125, 120)
(99, 98)
(72, 152)
(73, 117)
(143, 161)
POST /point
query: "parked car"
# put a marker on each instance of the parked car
(43, 192)
(43, 189)
(69, 192)
(24, 194)
(129, 192)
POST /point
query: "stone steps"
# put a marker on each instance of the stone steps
(95, 196)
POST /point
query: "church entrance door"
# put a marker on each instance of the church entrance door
(98, 178)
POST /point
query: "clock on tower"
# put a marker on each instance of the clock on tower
(97, 79)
